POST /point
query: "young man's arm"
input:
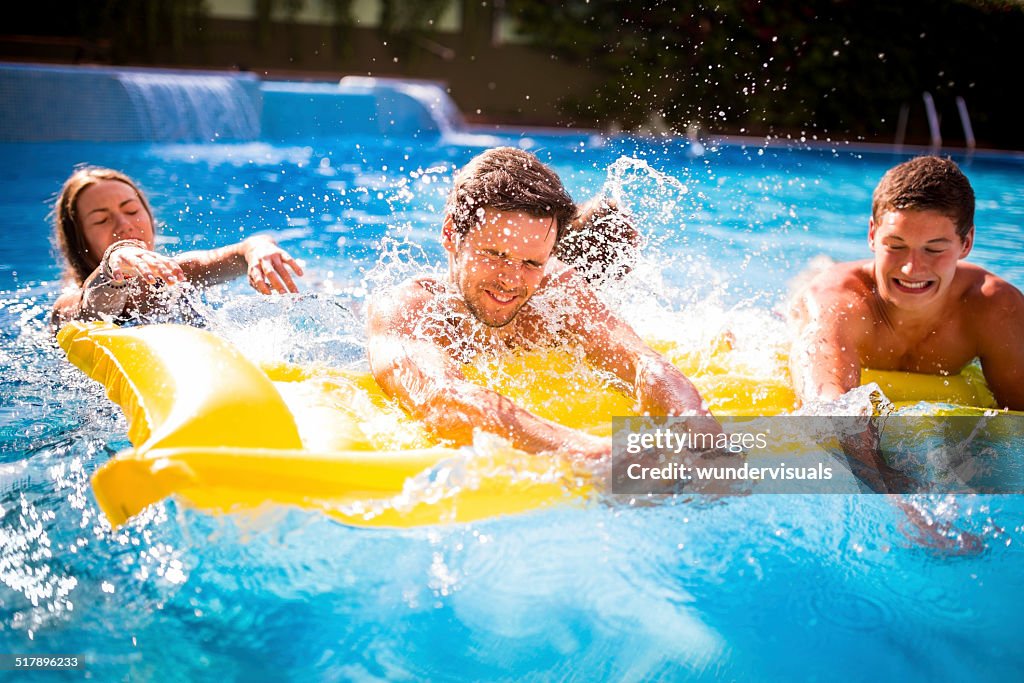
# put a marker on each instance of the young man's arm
(1001, 341)
(611, 344)
(828, 319)
(430, 385)
(827, 323)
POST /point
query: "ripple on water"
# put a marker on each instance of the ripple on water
(566, 582)
(937, 604)
(853, 610)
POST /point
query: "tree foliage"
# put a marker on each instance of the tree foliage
(829, 67)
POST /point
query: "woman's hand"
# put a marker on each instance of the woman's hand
(267, 265)
(130, 260)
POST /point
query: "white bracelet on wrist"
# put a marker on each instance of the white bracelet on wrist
(105, 261)
(104, 281)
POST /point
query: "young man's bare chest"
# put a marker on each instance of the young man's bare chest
(943, 347)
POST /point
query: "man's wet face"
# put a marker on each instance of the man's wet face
(916, 254)
(500, 263)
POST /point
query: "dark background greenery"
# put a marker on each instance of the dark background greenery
(839, 69)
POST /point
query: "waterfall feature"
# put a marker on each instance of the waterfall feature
(196, 108)
(358, 106)
(40, 103)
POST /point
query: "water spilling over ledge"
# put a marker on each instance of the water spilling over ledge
(42, 103)
(101, 104)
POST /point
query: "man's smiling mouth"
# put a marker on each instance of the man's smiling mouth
(501, 297)
(913, 286)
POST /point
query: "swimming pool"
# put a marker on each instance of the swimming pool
(761, 587)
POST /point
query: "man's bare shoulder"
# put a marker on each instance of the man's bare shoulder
(979, 282)
(401, 303)
(851, 278)
(563, 293)
(841, 287)
(557, 277)
(988, 297)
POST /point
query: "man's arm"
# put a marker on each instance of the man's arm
(828, 320)
(1000, 334)
(824, 360)
(611, 344)
(429, 384)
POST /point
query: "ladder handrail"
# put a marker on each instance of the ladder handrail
(965, 120)
(933, 119)
(934, 122)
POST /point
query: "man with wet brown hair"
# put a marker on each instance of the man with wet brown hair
(916, 306)
(505, 214)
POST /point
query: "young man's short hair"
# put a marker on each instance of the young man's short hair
(508, 179)
(927, 184)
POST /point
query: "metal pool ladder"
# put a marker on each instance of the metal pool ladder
(933, 122)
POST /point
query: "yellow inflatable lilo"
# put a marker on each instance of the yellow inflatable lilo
(223, 434)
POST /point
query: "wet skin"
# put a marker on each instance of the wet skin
(500, 264)
(916, 257)
(109, 211)
(915, 307)
(505, 291)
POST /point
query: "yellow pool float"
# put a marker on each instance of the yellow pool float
(223, 433)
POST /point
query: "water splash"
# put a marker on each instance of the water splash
(306, 328)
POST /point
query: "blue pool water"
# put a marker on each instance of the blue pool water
(761, 587)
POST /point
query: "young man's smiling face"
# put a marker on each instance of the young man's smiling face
(500, 263)
(916, 255)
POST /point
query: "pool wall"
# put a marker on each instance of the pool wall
(89, 103)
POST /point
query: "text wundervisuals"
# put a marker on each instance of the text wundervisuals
(743, 473)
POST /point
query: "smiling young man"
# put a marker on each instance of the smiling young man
(505, 214)
(917, 306)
